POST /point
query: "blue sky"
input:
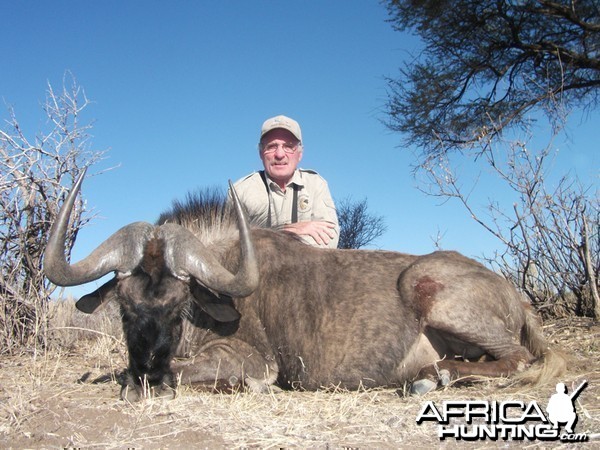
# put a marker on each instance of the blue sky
(180, 89)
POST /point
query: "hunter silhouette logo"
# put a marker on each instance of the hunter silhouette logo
(472, 420)
(561, 407)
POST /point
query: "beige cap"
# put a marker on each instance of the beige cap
(281, 122)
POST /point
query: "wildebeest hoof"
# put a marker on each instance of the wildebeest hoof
(261, 386)
(164, 391)
(444, 376)
(422, 387)
(130, 393)
(134, 394)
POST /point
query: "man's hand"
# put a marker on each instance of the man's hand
(322, 232)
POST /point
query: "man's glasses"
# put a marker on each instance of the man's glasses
(288, 147)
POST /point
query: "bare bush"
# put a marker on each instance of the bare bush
(550, 234)
(33, 172)
(358, 228)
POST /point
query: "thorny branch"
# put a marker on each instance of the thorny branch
(551, 238)
(33, 173)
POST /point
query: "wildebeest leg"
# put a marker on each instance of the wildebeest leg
(457, 347)
(466, 312)
(224, 364)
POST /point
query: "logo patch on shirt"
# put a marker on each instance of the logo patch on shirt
(303, 203)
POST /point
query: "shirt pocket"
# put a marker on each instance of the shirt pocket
(305, 207)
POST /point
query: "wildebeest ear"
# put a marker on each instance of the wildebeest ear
(92, 301)
(219, 308)
(221, 312)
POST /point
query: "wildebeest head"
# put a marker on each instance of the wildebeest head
(156, 268)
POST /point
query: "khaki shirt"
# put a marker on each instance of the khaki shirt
(314, 201)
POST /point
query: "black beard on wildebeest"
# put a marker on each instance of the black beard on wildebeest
(263, 309)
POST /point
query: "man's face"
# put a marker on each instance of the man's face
(280, 153)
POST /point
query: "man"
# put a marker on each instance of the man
(285, 197)
(560, 408)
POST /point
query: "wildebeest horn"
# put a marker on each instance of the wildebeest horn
(186, 255)
(120, 252)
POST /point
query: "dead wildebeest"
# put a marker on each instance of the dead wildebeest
(259, 308)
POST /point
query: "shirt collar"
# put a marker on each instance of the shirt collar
(297, 179)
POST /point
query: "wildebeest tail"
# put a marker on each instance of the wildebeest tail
(551, 363)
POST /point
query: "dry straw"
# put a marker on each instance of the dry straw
(68, 397)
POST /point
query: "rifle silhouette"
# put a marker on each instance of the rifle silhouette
(577, 391)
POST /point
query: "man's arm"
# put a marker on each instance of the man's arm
(324, 228)
(323, 233)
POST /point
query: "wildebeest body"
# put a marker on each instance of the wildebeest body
(297, 315)
(322, 321)
(357, 323)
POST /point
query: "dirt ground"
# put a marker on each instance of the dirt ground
(69, 399)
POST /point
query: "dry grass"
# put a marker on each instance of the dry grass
(68, 397)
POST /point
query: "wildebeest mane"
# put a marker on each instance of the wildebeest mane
(207, 203)
(205, 212)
